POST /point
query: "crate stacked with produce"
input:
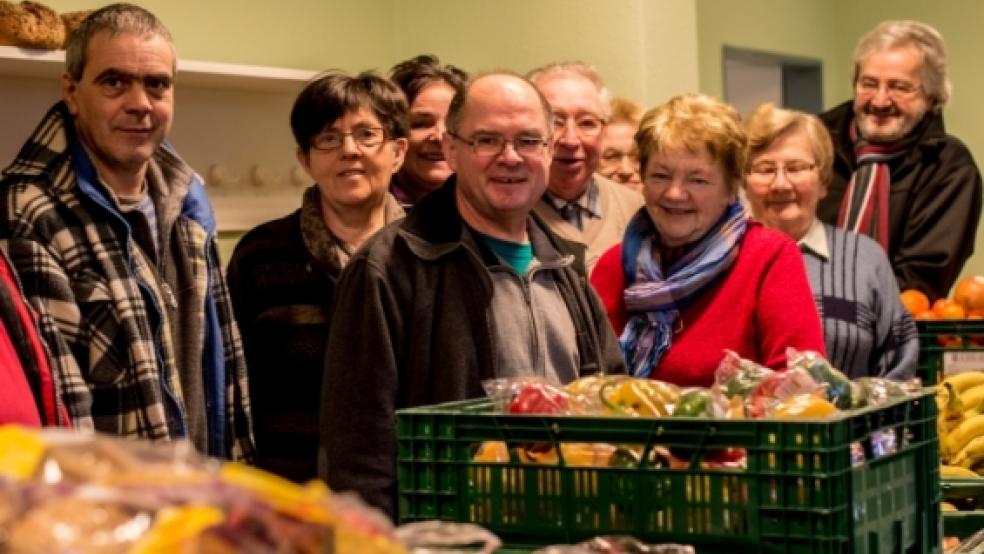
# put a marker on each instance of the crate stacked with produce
(842, 469)
(960, 424)
(951, 330)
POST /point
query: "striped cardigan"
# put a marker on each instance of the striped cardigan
(120, 324)
(867, 330)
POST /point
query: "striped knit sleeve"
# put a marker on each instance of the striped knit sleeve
(896, 351)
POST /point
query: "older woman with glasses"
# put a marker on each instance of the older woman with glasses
(619, 158)
(351, 135)
(694, 277)
(868, 331)
(429, 87)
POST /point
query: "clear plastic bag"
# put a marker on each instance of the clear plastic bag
(72, 492)
(616, 545)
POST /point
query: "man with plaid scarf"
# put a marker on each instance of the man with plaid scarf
(114, 239)
(898, 177)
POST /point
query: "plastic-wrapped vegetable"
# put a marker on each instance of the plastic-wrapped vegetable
(803, 406)
(83, 493)
(738, 376)
(840, 391)
(616, 545)
(875, 391)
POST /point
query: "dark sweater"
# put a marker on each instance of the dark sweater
(282, 281)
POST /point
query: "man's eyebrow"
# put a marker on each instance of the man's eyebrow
(128, 76)
(117, 73)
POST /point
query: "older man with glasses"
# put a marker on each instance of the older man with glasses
(898, 176)
(470, 286)
(580, 204)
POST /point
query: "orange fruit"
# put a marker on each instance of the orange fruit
(969, 292)
(914, 301)
(940, 305)
(952, 311)
(927, 314)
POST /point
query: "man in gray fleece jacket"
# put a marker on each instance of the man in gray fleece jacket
(469, 286)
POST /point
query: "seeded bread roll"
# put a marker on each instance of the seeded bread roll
(31, 25)
(72, 20)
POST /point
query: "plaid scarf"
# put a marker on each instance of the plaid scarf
(653, 301)
(864, 208)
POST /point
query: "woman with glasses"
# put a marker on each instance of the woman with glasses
(694, 277)
(351, 135)
(429, 87)
(868, 332)
(619, 158)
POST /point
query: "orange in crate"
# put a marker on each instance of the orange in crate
(945, 308)
(914, 301)
(926, 314)
(969, 293)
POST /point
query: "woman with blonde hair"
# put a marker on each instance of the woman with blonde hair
(868, 332)
(693, 276)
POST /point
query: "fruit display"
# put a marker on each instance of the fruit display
(960, 399)
(967, 301)
(64, 492)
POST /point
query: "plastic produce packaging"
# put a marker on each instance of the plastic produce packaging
(66, 492)
(616, 545)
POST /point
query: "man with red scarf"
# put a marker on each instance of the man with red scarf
(898, 177)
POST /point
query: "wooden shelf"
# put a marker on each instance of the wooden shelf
(50, 64)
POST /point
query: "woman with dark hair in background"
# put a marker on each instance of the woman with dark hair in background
(351, 135)
(429, 86)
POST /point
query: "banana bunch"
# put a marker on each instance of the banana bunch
(960, 400)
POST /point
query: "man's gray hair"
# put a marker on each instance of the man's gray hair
(580, 69)
(117, 19)
(927, 40)
(456, 110)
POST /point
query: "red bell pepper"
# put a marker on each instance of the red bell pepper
(537, 398)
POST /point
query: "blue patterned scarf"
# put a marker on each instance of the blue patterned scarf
(653, 301)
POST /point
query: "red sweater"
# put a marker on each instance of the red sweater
(762, 305)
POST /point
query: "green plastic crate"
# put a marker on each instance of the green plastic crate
(942, 344)
(968, 495)
(965, 493)
(962, 524)
(800, 492)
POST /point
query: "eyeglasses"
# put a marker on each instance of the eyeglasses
(895, 88)
(586, 126)
(489, 145)
(366, 137)
(616, 156)
(797, 172)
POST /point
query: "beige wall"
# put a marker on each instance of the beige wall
(305, 34)
(625, 39)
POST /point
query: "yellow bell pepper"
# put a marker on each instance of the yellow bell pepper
(804, 406)
(634, 397)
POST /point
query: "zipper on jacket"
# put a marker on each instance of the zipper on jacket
(171, 404)
(539, 365)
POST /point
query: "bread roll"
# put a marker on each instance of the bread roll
(30, 24)
(72, 20)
